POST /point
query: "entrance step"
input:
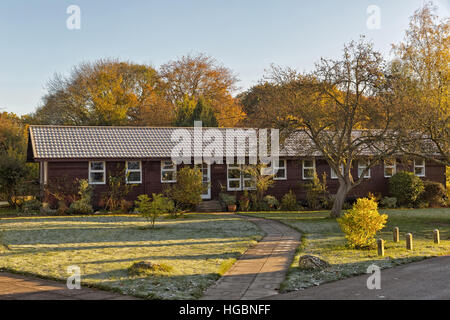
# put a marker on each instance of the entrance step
(209, 206)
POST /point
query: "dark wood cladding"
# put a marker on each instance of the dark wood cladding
(151, 177)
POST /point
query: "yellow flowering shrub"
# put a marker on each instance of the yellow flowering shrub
(361, 223)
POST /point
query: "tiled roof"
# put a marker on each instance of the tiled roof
(70, 142)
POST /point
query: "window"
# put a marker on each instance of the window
(233, 177)
(389, 167)
(238, 179)
(279, 173)
(362, 165)
(419, 167)
(333, 173)
(134, 172)
(309, 169)
(97, 172)
(168, 172)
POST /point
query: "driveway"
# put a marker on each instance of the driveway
(424, 280)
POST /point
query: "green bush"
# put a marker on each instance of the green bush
(289, 202)
(389, 202)
(316, 193)
(227, 199)
(83, 204)
(434, 194)
(187, 192)
(272, 202)
(150, 210)
(31, 206)
(361, 223)
(406, 187)
(244, 202)
(117, 190)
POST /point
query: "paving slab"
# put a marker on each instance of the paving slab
(18, 287)
(262, 268)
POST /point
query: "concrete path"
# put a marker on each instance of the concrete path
(425, 280)
(262, 268)
(16, 287)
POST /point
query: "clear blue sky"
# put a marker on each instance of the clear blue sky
(245, 35)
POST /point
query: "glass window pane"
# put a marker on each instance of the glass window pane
(96, 165)
(388, 172)
(168, 176)
(235, 184)
(134, 177)
(309, 173)
(308, 163)
(133, 165)
(234, 173)
(418, 171)
(97, 177)
(281, 173)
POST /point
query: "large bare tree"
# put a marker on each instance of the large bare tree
(344, 109)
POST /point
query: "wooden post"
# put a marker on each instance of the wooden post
(396, 234)
(380, 246)
(437, 237)
(409, 241)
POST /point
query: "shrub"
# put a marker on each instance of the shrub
(271, 201)
(187, 192)
(31, 206)
(227, 199)
(83, 204)
(433, 194)
(406, 187)
(289, 202)
(118, 189)
(316, 192)
(389, 202)
(150, 210)
(244, 202)
(361, 223)
(126, 206)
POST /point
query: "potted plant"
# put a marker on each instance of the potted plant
(229, 201)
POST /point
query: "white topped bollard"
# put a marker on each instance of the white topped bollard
(409, 241)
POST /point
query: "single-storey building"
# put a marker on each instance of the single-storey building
(144, 153)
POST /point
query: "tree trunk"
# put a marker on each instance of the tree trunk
(339, 200)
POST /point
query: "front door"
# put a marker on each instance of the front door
(206, 179)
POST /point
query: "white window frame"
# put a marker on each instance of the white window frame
(128, 171)
(97, 171)
(174, 170)
(333, 174)
(234, 167)
(386, 166)
(422, 166)
(284, 167)
(269, 170)
(308, 168)
(361, 168)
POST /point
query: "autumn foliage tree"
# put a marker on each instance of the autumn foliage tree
(105, 92)
(194, 77)
(422, 75)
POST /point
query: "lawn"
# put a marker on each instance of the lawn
(322, 237)
(199, 247)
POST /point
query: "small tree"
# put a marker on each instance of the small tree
(361, 223)
(316, 192)
(260, 182)
(150, 210)
(84, 204)
(187, 192)
(118, 189)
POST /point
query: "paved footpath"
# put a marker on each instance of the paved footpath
(17, 287)
(262, 268)
(425, 280)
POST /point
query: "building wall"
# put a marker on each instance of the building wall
(151, 178)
